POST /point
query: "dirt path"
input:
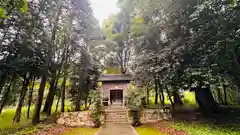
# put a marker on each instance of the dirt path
(117, 129)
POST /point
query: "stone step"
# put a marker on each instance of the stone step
(115, 121)
(116, 117)
(115, 110)
(116, 114)
(113, 115)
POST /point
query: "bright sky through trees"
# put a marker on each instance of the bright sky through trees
(103, 8)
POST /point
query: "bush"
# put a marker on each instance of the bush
(135, 103)
(96, 112)
(134, 98)
(136, 117)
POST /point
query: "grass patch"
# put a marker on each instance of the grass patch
(206, 129)
(24, 126)
(8, 113)
(81, 131)
(147, 130)
(7, 116)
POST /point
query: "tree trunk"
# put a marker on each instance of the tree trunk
(30, 98)
(163, 98)
(36, 116)
(169, 95)
(161, 93)
(176, 98)
(17, 116)
(2, 80)
(219, 95)
(49, 101)
(225, 94)
(206, 102)
(148, 90)
(63, 93)
(156, 90)
(78, 101)
(4, 100)
(79, 93)
(57, 103)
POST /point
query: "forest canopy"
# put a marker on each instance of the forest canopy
(55, 50)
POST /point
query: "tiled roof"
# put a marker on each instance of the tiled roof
(115, 77)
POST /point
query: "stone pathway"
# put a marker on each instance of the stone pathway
(117, 129)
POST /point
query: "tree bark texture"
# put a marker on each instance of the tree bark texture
(176, 98)
(4, 100)
(156, 90)
(63, 94)
(17, 116)
(36, 116)
(205, 100)
(148, 93)
(169, 95)
(219, 96)
(50, 97)
(161, 93)
(225, 94)
(57, 103)
(30, 95)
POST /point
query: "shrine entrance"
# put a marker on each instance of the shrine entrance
(116, 96)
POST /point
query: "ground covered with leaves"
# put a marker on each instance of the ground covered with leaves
(63, 130)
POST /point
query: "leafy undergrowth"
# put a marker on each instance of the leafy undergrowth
(148, 130)
(81, 131)
(164, 126)
(52, 130)
(206, 129)
(225, 122)
(23, 130)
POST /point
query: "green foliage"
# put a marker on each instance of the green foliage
(96, 112)
(112, 70)
(2, 13)
(134, 98)
(138, 28)
(24, 7)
